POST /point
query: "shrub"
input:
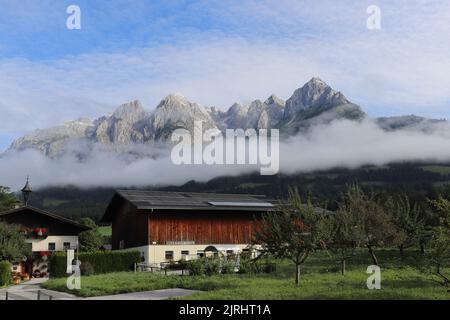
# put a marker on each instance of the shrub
(269, 268)
(196, 267)
(5, 273)
(100, 261)
(213, 266)
(228, 266)
(86, 269)
(249, 266)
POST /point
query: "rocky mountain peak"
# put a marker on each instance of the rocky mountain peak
(275, 101)
(175, 111)
(314, 94)
(237, 109)
(315, 81)
(132, 111)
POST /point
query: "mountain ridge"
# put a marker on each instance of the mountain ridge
(312, 104)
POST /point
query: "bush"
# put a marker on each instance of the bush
(5, 273)
(196, 267)
(100, 261)
(86, 269)
(269, 268)
(213, 266)
(249, 266)
(228, 266)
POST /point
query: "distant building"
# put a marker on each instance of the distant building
(45, 232)
(167, 226)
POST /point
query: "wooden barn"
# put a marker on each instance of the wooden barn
(168, 226)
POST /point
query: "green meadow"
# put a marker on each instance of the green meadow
(407, 277)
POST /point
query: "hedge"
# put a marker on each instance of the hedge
(99, 262)
(5, 273)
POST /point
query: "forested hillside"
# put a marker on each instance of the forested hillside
(419, 181)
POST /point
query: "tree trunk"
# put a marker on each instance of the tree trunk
(438, 271)
(372, 254)
(422, 248)
(401, 247)
(297, 275)
(343, 266)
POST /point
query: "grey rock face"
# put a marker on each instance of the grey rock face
(125, 125)
(404, 122)
(275, 110)
(176, 112)
(317, 103)
(235, 117)
(52, 141)
(314, 94)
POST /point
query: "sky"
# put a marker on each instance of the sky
(217, 53)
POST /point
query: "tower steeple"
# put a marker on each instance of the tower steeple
(26, 192)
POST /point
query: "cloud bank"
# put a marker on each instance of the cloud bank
(339, 144)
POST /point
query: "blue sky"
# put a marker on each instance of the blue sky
(216, 53)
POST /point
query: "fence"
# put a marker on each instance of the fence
(162, 268)
(25, 295)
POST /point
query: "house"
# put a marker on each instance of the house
(170, 226)
(45, 232)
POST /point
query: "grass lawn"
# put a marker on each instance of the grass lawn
(105, 231)
(437, 169)
(402, 278)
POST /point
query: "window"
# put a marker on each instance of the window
(51, 246)
(184, 252)
(200, 253)
(121, 244)
(66, 245)
(169, 255)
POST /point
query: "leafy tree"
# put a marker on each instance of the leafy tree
(13, 246)
(92, 239)
(439, 246)
(377, 226)
(7, 199)
(347, 235)
(407, 219)
(294, 232)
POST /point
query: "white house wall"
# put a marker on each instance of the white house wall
(42, 244)
(157, 253)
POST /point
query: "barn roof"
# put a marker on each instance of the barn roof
(162, 200)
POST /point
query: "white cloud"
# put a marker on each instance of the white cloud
(339, 144)
(352, 144)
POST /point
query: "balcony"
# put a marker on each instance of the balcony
(35, 233)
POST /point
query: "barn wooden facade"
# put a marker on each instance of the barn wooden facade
(170, 225)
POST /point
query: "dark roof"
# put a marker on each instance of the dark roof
(51, 215)
(162, 200)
